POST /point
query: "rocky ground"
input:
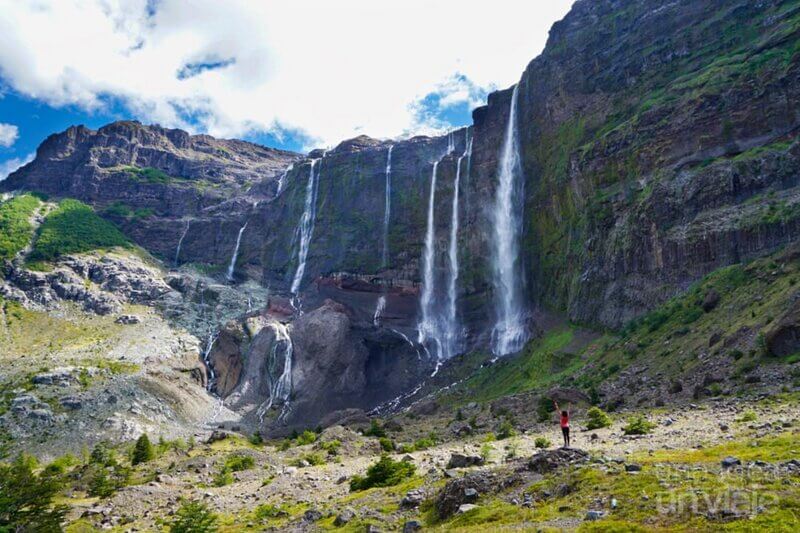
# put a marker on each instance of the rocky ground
(608, 477)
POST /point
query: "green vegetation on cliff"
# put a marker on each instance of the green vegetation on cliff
(16, 229)
(74, 227)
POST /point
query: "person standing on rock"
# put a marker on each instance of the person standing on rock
(564, 422)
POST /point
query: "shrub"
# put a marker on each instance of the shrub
(194, 517)
(542, 442)
(26, 498)
(238, 463)
(74, 227)
(506, 430)
(386, 444)
(375, 429)
(223, 477)
(143, 451)
(255, 439)
(748, 416)
(597, 418)
(313, 459)
(385, 473)
(331, 447)
(544, 409)
(486, 451)
(306, 437)
(265, 511)
(638, 425)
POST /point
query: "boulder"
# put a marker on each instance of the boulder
(344, 518)
(458, 460)
(550, 460)
(462, 491)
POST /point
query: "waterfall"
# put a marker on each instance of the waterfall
(380, 307)
(212, 377)
(232, 266)
(180, 242)
(387, 207)
(379, 310)
(306, 227)
(282, 179)
(452, 333)
(280, 386)
(430, 326)
(510, 332)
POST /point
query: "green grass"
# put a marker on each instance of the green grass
(120, 209)
(16, 230)
(74, 227)
(543, 362)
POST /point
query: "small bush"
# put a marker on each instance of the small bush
(638, 425)
(265, 511)
(143, 451)
(194, 517)
(506, 430)
(544, 409)
(748, 416)
(597, 418)
(306, 437)
(542, 442)
(490, 437)
(375, 429)
(385, 473)
(309, 459)
(331, 447)
(486, 451)
(386, 444)
(238, 463)
(223, 477)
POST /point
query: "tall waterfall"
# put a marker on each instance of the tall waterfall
(451, 324)
(232, 266)
(280, 385)
(510, 331)
(429, 327)
(306, 227)
(180, 242)
(387, 209)
(380, 307)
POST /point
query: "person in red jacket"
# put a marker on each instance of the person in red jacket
(564, 422)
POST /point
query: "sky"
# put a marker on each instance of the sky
(294, 74)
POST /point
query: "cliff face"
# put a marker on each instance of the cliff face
(658, 143)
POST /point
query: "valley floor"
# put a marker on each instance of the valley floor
(671, 479)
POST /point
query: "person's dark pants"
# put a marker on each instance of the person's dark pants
(565, 431)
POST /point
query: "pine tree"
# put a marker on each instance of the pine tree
(26, 498)
(194, 517)
(143, 451)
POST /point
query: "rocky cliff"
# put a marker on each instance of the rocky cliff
(657, 143)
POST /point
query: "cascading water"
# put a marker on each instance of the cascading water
(180, 242)
(212, 377)
(232, 266)
(306, 227)
(387, 209)
(282, 179)
(510, 331)
(280, 386)
(452, 329)
(430, 326)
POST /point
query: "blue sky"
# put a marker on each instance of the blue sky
(293, 74)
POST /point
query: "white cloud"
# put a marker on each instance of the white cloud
(10, 165)
(330, 69)
(8, 134)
